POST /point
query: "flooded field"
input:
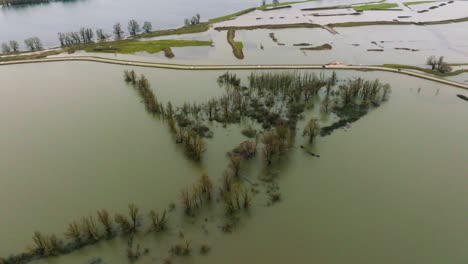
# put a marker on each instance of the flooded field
(410, 45)
(389, 188)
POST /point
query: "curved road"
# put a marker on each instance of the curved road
(238, 67)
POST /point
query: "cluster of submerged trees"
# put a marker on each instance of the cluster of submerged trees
(275, 100)
(438, 64)
(90, 230)
(12, 46)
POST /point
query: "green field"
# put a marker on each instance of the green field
(417, 3)
(437, 73)
(283, 4)
(375, 6)
(132, 46)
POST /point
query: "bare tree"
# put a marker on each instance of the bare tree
(5, 48)
(432, 61)
(133, 27)
(118, 32)
(33, 43)
(100, 35)
(14, 45)
(62, 38)
(147, 27)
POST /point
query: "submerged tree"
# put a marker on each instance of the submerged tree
(90, 229)
(135, 216)
(105, 219)
(74, 232)
(235, 163)
(124, 223)
(158, 221)
(311, 130)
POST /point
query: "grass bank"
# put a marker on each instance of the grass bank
(321, 47)
(271, 26)
(35, 56)
(437, 73)
(237, 46)
(269, 6)
(132, 46)
(417, 3)
(378, 23)
(202, 27)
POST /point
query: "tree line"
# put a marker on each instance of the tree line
(12, 46)
(84, 35)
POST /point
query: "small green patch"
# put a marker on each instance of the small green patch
(437, 73)
(132, 46)
(265, 7)
(202, 27)
(237, 46)
(321, 47)
(231, 16)
(417, 3)
(375, 6)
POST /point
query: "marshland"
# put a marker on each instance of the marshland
(104, 163)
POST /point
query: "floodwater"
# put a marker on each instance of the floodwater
(389, 189)
(46, 20)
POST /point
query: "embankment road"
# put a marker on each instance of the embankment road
(240, 67)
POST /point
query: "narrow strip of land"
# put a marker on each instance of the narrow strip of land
(240, 67)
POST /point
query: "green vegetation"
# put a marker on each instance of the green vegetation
(266, 7)
(417, 2)
(375, 6)
(434, 72)
(321, 47)
(272, 26)
(168, 53)
(132, 46)
(198, 28)
(377, 23)
(237, 46)
(231, 16)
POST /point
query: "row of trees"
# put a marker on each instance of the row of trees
(32, 44)
(195, 20)
(90, 230)
(87, 35)
(274, 2)
(11, 46)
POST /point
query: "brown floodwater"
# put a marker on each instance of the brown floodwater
(389, 189)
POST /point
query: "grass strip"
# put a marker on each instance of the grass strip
(416, 3)
(237, 47)
(375, 6)
(271, 26)
(132, 46)
(437, 73)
